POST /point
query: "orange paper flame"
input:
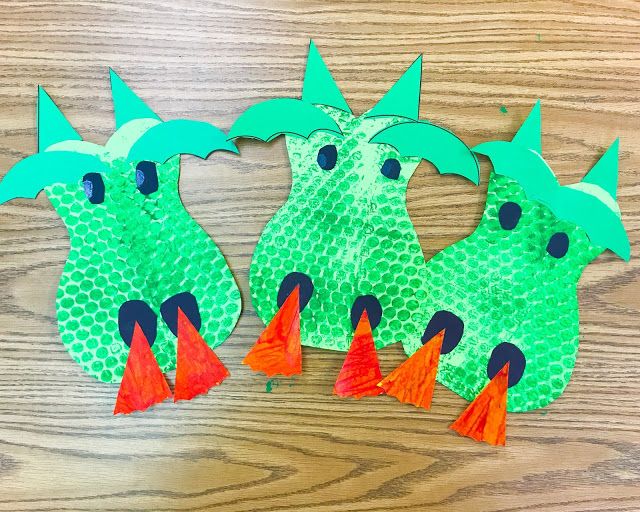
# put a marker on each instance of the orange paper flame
(198, 368)
(414, 380)
(486, 417)
(278, 349)
(143, 384)
(360, 371)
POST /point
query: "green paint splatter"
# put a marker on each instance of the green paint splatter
(538, 37)
(271, 385)
(503, 109)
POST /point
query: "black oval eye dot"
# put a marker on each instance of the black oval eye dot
(147, 177)
(391, 169)
(327, 157)
(93, 187)
(509, 215)
(558, 245)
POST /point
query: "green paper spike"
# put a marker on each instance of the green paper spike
(126, 104)
(403, 99)
(319, 87)
(53, 127)
(529, 134)
(605, 172)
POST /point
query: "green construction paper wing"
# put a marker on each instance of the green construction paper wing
(180, 137)
(507, 293)
(319, 87)
(435, 144)
(29, 176)
(136, 258)
(282, 116)
(344, 237)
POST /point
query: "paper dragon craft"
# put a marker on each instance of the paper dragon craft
(136, 254)
(494, 317)
(342, 253)
(504, 299)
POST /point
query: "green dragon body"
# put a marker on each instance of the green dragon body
(131, 238)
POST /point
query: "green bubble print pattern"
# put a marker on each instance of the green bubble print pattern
(506, 288)
(135, 246)
(348, 229)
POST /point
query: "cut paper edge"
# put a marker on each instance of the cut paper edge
(198, 368)
(278, 350)
(319, 87)
(179, 137)
(529, 134)
(414, 380)
(53, 126)
(360, 373)
(127, 105)
(444, 149)
(143, 384)
(28, 177)
(282, 116)
(485, 418)
(403, 99)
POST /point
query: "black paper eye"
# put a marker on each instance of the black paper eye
(93, 187)
(391, 169)
(509, 215)
(558, 245)
(147, 177)
(327, 157)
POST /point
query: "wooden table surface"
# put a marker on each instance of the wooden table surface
(288, 444)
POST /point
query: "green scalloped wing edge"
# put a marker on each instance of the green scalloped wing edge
(179, 136)
(29, 176)
(442, 148)
(282, 116)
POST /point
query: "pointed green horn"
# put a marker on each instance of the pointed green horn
(403, 99)
(529, 134)
(605, 172)
(319, 87)
(127, 105)
(53, 127)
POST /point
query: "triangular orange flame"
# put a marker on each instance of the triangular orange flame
(198, 368)
(486, 417)
(414, 380)
(143, 384)
(278, 349)
(360, 371)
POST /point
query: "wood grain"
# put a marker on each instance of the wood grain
(297, 447)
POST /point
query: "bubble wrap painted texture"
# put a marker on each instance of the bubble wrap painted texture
(129, 247)
(506, 288)
(349, 230)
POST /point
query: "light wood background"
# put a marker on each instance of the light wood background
(262, 445)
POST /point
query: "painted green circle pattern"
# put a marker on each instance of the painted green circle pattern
(129, 247)
(506, 288)
(348, 229)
